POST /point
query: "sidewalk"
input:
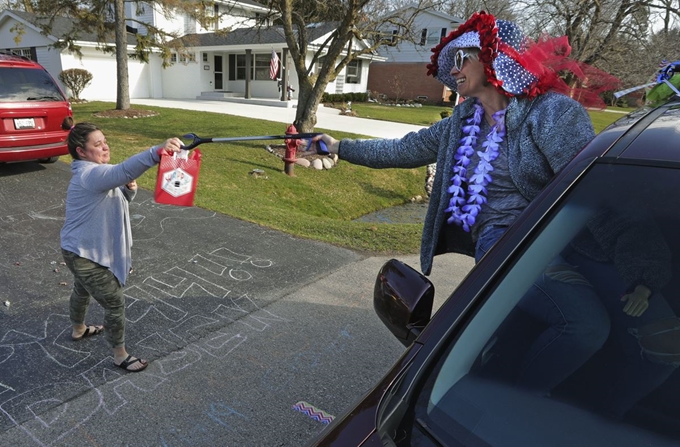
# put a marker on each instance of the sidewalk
(327, 118)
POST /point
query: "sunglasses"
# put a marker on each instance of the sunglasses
(459, 59)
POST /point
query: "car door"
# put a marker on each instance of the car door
(609, 231)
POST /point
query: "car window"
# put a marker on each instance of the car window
(25, 84)
(556, 353)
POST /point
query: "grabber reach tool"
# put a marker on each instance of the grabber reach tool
(321, 147)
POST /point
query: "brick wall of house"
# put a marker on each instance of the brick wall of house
(404, 81)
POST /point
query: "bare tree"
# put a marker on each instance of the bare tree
(598, 31)
(666, 13)
(361, 27)
(463, 9)
(397, 85)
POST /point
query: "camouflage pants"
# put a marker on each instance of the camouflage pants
(93, 280)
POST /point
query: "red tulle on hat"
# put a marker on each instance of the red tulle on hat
(548, 59)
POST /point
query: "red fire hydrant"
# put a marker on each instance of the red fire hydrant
(291, 149)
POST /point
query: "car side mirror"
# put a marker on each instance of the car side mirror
(403, 300)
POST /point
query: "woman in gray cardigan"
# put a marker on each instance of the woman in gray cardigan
(494, 154)
(96, 237)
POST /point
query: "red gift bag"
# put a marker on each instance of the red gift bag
(177, 178)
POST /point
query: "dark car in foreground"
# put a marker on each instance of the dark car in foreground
(455, 383)
(32, 109)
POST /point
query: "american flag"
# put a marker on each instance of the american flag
(274, 65)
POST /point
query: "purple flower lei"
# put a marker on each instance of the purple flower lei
(464, 210)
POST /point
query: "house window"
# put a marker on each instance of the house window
(204, 57)
(237, 67)
(353, 72)
(188, 57)
(25, 52)
(260, 71)
(262, 62)
(432, 36)
(173, 58)
(390, 39)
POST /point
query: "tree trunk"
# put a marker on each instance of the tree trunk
(123, 87)
(308, 103)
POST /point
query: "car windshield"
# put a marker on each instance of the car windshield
(508, 379)
(27, 84)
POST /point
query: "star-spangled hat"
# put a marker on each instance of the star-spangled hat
(503, 51)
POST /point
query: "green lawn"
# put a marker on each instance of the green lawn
(422, 116)
(313, 204)
(602, 119)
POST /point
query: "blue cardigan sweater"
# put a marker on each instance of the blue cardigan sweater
(543, 135)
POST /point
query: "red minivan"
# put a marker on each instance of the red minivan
(32, 109)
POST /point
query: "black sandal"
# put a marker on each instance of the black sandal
(127, 362)
(88, 332)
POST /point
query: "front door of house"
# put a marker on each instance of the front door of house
(219, 85)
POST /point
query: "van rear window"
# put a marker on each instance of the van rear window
(27, 84)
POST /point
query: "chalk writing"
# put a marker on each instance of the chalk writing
(223, 415)
(179, 340)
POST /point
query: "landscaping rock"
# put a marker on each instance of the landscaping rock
(317, 164)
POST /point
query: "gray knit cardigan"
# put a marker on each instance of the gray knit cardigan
(97, 218)
(543, 135)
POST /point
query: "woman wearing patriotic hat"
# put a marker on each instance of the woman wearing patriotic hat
(525, 131)
(494, 154)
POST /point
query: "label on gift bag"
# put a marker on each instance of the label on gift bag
(177, 178)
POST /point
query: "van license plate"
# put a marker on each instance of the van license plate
(24, 123)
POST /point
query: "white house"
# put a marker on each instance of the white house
(213, 66)
(222, 61)
(145, 79)
(403, 74)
